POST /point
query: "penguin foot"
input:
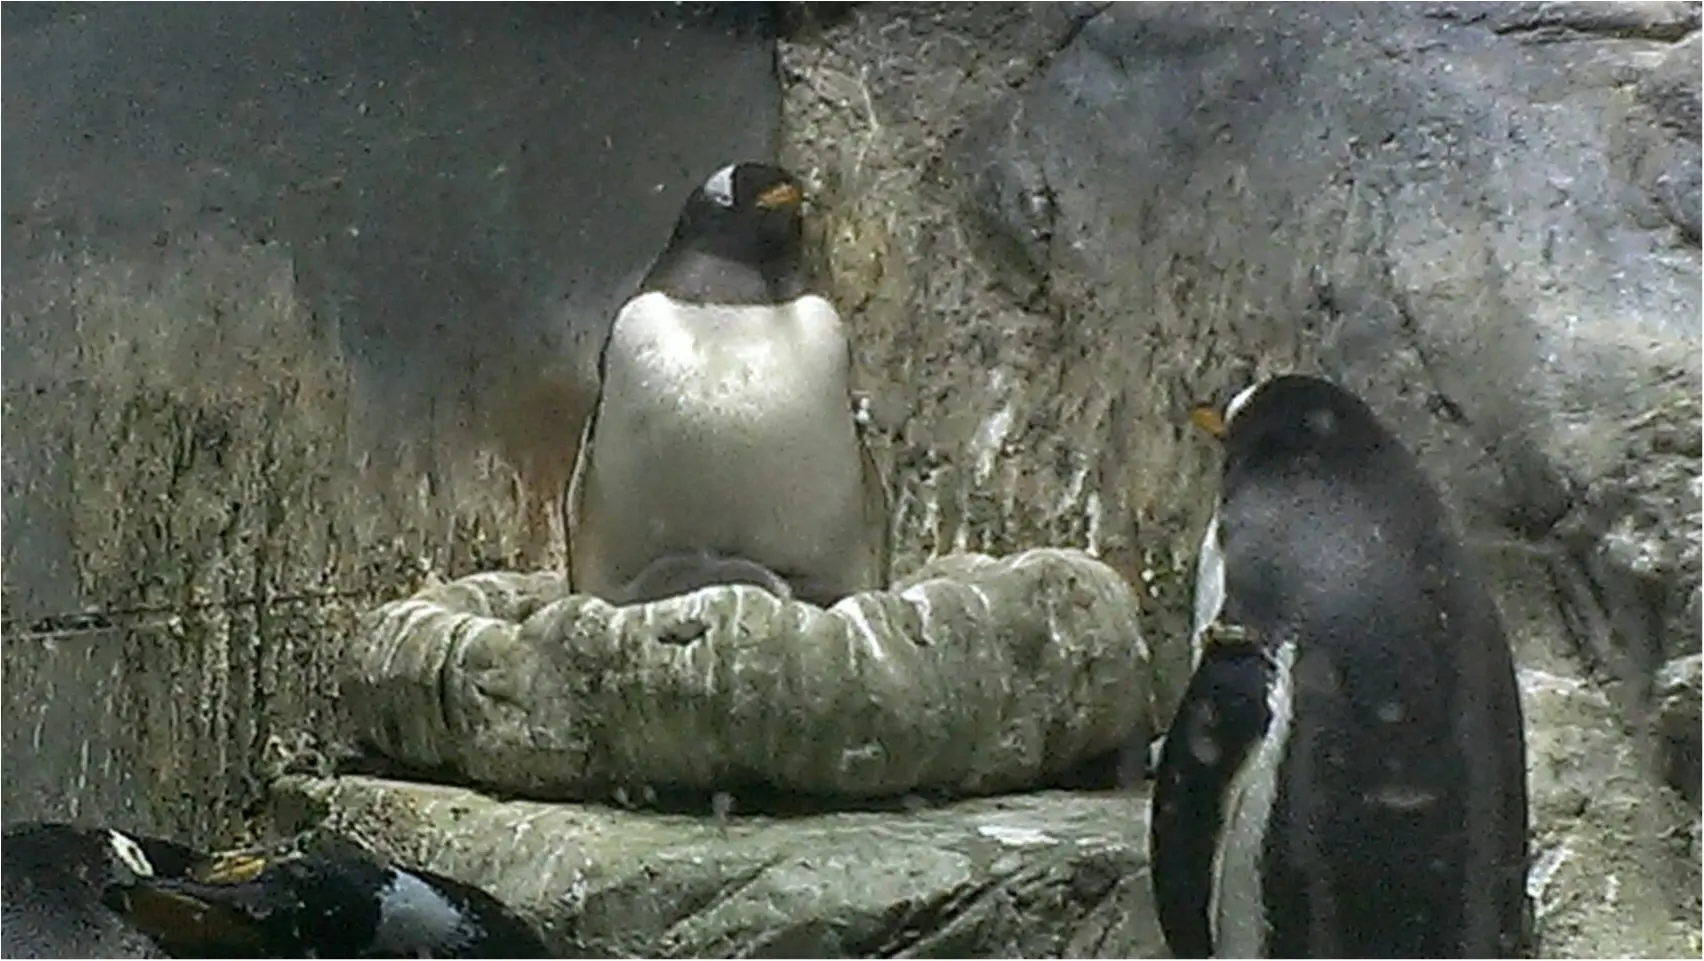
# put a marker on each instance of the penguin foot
(1222, 634)
(645, 797)
(721, 805)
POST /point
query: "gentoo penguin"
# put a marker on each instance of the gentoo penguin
(723, 443)
(54, 882)
(313, 905)
(1345, 776)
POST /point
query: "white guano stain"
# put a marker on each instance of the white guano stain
(1016, 836)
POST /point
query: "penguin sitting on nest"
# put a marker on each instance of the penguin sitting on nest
(723, 447)
(1345, 775)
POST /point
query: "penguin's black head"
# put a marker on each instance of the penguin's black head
(739, 239)
(1294, 421)
(100, 857)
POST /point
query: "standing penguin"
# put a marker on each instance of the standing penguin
(723, 446)
(1346, 775)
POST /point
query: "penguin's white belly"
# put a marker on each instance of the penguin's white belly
(725, 429)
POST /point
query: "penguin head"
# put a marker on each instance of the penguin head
(739, 238)
(747, 211)
(1293, 419)
(100, 857)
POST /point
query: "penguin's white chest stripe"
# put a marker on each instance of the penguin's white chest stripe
(1237, 909)
(1209, 587)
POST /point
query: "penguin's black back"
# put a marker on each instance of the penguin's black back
(1399, 822)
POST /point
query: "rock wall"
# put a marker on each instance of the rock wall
(1057, 229)
(292, 300)
(1057, 226)
(1052, 226)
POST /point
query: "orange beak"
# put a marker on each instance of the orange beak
(1208, 419)
(780, 197)
(234, 868)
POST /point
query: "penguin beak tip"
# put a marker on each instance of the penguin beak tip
(781, 197)
(1208, 419)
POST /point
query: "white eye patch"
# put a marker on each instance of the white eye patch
(720, 186)
(130, 853)
(1240, 401)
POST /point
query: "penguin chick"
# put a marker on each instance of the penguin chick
(54, 878)
(725, 424)
(316, 906)
(1345, 776)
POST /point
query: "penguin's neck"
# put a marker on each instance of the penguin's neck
(704, 277)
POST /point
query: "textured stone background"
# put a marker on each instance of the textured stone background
(280, 286)
(276, 280)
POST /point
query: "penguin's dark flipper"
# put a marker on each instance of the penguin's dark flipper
(1221, 717)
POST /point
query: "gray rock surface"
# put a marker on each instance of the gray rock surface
(1033, 875)
(1058, 229)
(286, 292)
(1615, 871)
(1048, 874)
(1678, 722)
(973, 676)
(1051, 226)
(1447, 208)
